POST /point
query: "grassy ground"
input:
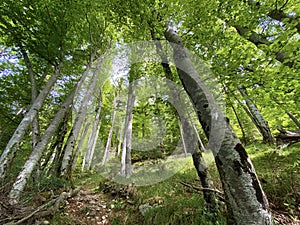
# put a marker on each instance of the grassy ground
(169, 202)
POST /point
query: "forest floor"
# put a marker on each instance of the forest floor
(101, 201)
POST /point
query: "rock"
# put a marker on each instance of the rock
(144, 208)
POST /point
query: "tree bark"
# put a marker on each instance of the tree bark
(72, 139)
(297, 122)
(35, 122)
(258, 119)
(37, 152)
(245, 199)
(258, 40)
(93, 136)
(193, 148)
(11, 148)
(126, 151)
(108, 143)
(78, 148)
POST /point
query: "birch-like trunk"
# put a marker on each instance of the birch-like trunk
(126, 151)
(93, 136)
(37, 152)
(258, 119)
(245, 199)
(108, 143)
(72, 139)
(199, 162)
(120, 137)
(95, 132)
(34, 91)
(35, 123)
(12, 146)
(78, 147)
(182, 139)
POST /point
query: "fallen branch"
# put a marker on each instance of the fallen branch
(288, 137)
(220, 194)
(52, 206)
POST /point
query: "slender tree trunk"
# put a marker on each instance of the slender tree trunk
(205, 180)
(190, 134)
(55, 167)
(260, 122)
(93, 146)
(78, 148)
(108, 143)
(72, 139)
(34, 91)
(199, 162)
(121, 137)
(126, 152)
(93, 136)
(182, 139)
(297, 122)
(202, 148)
(12, 146)
(240, 124)
(37, 152)
(35, 123)
(245, 199)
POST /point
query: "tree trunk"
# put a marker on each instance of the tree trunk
(37, 152)
(205, 180)
(34, 91)
(259, 121)
(244, 139)
(182, 139)
(108, 143)
(245, 199)
(78, 148)
(297, 122)
(11, 148)
(93, 136)
(199, 162)
(190, 133)
(72, 139)
(126, 151)
(121, 137)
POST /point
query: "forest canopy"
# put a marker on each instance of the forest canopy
(130, 89)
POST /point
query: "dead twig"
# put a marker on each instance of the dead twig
(220, 194)
(51, 207)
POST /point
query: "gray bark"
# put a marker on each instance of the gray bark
(258, 40)
(199, 162)
(108, 143)
(11, 148)
(126, 151)
(35, 122)
(182, 139)
(121, 137)
(37, 152)
(78, 148)
(257, 118)
(245, 199)
(72, 139)
(93, 136)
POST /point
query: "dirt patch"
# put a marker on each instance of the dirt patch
(90, 207)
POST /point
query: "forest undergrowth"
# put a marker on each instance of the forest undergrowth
(97, 200)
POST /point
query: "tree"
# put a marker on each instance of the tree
(245, 199)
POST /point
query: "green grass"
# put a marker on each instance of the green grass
(172, 203)
(279, 171)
